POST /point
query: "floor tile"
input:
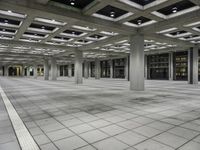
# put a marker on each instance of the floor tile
(70, 143)
(112, 130)
(152, 145)
(130, 138)
(170, 139)
(93, 136)
(110, 144)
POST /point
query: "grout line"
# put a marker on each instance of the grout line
(25, 139)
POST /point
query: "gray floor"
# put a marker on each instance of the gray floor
(103, 114)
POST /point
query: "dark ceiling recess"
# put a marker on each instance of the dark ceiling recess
(112, 12)
(198, 27)
(61, 38)
(35, 34)
(8, 30)
(140, 20)
(83, 41)
(39, 26)
(142, 2)
(191, 36)
(9, 21)
(96, 36)
(185, 4)
(80, 4)
(73, 32)
(178, 32)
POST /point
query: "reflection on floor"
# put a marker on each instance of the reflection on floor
(104, 114)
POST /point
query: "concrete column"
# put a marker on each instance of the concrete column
(97, 69)
(193, 65)
(78, 67)
(35, 71)
(69, 70)
(53, 69)
(58, 70)
(6, 70)
(46, 69)
(89, 69)
(171, 66)
(137, 62)
(145, 68)
(111, 68)
(86, 69)
(23, 71)
(28, 71)
(126, 68)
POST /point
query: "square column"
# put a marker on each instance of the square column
(89, 69)
(58, 70)
(6, 70)
(28, 71)
(78, 67)
(86, 69)
(35, 71)
(69, 70)
(23, 71)
(127, 68)
(137, 62)
(53, 69)
(111, 68)
(193, 65)
(46, 69)
(145, 68)
(171, 66)
(97, 69)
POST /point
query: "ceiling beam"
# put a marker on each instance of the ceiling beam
(173, 22)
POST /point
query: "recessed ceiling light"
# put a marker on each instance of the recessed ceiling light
(112, 14)
(139, 22)
(5, 21)
(72, 2)
(174, 10)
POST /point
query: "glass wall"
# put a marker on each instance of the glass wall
(119, 68)
(181, 66)
(158, 66)
(92, 65)
(105, 69)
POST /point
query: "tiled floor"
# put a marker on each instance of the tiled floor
(103, 114)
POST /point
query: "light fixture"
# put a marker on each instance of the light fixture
(72, 2)
(5, 21)
(174, 10)
(112, 14)
(139, 22)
